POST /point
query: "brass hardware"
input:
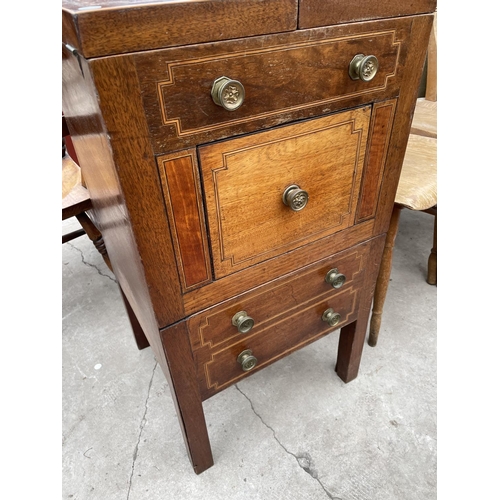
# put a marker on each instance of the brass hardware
(331, 317)
(363, 67)
(295, 198)
(228, 93)
(247, 360)
(243, 322)
(335, 278)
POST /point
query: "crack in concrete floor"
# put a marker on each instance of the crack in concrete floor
(141, 428)
(91, 265)
(304, 460)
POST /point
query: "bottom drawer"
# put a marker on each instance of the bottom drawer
(289, 313)
(290, 333)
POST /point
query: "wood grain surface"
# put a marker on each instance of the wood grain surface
(244, 181)
(123, 27)
(378, 144)
(237, 283)
(90, 138)
(425, 118)
(314, 13)
(181, 377)
(182, 192)
(353, 336)
(188, 196)
(286, 77)
(121, 106)
(213, 328)
(218, 368)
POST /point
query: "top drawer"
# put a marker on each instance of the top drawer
(284, 77)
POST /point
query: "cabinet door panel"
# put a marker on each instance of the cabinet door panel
(245, 178)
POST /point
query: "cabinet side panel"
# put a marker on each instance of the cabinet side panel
(411, 67)
(90, 138)
(378, 143)
(121, 106)
(104, 115)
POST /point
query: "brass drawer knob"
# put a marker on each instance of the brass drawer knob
(228, 93)
(243, 322)
(335, 278)
(331, 317)
(363, 67)
(295, 198)
(247, 360)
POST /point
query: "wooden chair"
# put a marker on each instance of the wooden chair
(417, 188)
(76, 202)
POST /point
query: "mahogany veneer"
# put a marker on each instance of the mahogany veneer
(190, 196)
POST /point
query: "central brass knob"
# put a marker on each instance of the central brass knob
(242, 321)
(247, 360)
(228, 93)
(363, 67)
(295, 198)
(331, 317)
(335, 278)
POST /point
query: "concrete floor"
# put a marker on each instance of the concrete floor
(292, 431)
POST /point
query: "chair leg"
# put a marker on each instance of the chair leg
(95, 236)
(383, 277)
(432, 263)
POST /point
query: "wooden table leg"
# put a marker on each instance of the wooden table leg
(383, 277)
(181, 376)
(432, 262)
(352, 336)
(139, 335)
(95, 236)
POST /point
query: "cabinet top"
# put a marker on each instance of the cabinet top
(108, 27)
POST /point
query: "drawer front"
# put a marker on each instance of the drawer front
(287, 314)
(285, 77)
(245, 181)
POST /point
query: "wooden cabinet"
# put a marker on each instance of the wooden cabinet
(242, 164)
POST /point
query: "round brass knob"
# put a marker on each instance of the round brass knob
(335, 278)
(331, 317)
(247, 360)
(242, 321)
(363, 67)
(228, 93)
(295, 198)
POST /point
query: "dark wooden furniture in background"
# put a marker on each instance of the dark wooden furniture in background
(241, 171)
(76, 200)
(76, 203)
